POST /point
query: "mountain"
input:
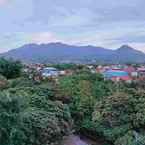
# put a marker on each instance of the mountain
(59, 52)
(126, 54)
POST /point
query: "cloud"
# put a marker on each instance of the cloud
(2, 2)
(107, 23)
(43, 37)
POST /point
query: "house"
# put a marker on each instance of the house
(91, 69)
(141, 70)
(131, 71)
(141, 73)
(127, 79)
(101, 69)
(49, 72)
(62, 72)
(69, 72)
(90, 66)
(117, 75)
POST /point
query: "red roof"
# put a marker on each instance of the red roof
(117, 69)
(123, 78)
(129, 69)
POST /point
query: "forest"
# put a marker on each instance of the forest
(43, 113)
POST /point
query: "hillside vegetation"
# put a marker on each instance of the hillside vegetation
(43, 113)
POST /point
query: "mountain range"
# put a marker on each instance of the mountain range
(64, 53)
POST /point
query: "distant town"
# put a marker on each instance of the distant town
(127, 73)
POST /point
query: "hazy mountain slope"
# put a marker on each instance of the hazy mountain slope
(59, 52)
(127, 54)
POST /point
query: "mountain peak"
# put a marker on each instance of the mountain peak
(125, 48)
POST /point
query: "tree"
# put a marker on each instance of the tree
(10, 68)
(82, 90)
(118, 114)
(32, 120)
(65, 66)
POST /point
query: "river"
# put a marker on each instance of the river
(77, 140)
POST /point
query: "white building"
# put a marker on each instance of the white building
(49, 72)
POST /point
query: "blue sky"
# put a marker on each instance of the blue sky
(107, 23)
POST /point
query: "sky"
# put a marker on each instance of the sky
(106, 23)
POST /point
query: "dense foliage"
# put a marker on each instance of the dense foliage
(29, 120)
(83, 89)
(10, 68)
(66, 66)
(101, 108)
(33, 113)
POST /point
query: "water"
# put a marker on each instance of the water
(76, 140)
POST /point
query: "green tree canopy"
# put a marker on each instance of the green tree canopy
(118, 114)
(32, 120)
(10, 68)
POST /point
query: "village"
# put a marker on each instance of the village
(127, 73)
